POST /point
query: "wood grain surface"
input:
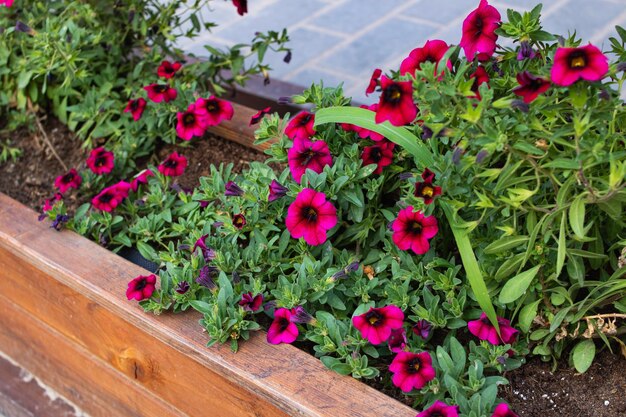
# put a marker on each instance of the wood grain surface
(75, 289)
(238, 129)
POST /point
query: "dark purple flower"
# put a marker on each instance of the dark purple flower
(299, 315)
(397, 340)
(287, 58)
(233, 190)
(182, 287)
(23, 27)
(250, 302)
(480, 157)
(422, 328)
(526, 51)
(206, 277)
(353, 267)
(276, 191)
(60, 220)
(520, 105)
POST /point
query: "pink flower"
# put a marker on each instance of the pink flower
(432, 51)
(251, 302)
(426, 189)
(377, 324)
(480, 76)
(192, 122)
(301, 126)
(110, 197)
(142, 178)
(573, 64)
(366, 133)
(101, 161)
(412, 230)
(141, 288)
(174, 165)
(256, 118)
(396, 102)
(214, 110)
(380, 154)
(374, 80)
(530, 86)
(311, 216)
(70, 180)
(50, 202)
(397, 340)
(305, 154)
(136, 108)
(242, 6)
(168, 69)
(277, 190)
(412, 370)
(484, 330)
(479, 32)
(440, 409)
(7, 3)
(282, 330)
(503, 410)
(161, 92)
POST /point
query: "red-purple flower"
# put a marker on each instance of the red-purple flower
(380, 154)
(412, 230)
(251, 302)
(110, 197)
(141, 288)
(530, 86)
(192, 122)
(71, 179)
(484, 330)
(412, 370)
(396, 102)
(182, 287)
(301, 126)
(277, 190)
(397, 340)
(168, 69)
(573, 64)
(7, 3)
(282, 330)
(432, 51)
(374, 80)
(136, 108)
(49, 203)
(256, 118)
(440, 409)
(480, 76)
(377, 324)
(233, 190)
(142, 178)
(425, 189)
(215, 110)
(479, 32)
(242, 6)
(310, 216)
(305, 154)
(503, 410)
(362, 132)
(526, 51)
(174, 165)
(239, 221)
(422, 329)
(101, 161)
(161, 92)
(207, 253)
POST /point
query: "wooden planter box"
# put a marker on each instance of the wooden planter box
(65, 319)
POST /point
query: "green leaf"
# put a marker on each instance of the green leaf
(146, 251)
(577, 216)
(201, 306)
(562, 247)
(583, 354)
(526, 316)
(517, 286)
(504, 244)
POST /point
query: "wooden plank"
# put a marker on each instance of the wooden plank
(237, 129)
(283, 376)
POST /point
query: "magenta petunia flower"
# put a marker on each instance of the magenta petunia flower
(282, 329)
(174, 165)
(160, 92)
(7, 3)
(480, 76)
(374, 81)
(530, 86)
(301, 126)
(256, 118)
(140, 179)
(136, 108)
(432, 51)
(101, 161)
(440, 409)
(239, 221)
(305, 154)
(233, 190)
(71, 179)
(583, 63)
(484, 330)
(412, 230)
(425, 189)
(380, 154)
(397, 340)
(377, 324)
(141, 288)
(479, 32)
(251, 302)
(422, 329)
(50, 202)
(310, 216)
(192, 122)
(110, 197)
(277, 190)
(396, 102)
(168, 69)
(503, 410)
(182, 287)
(412, 370)
(215, 110)
(207, 253)
(242, 6)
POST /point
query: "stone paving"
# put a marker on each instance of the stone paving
(344, 40)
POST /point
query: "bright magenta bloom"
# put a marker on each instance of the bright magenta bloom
(440, 409)
(160, 92)
(412, 230)
(397, 340)
(396, 102)
(192, 122)
(101, 161)
(215, 110)
(377, 324)
(374, 80)
(380, 154)
(7, 3)
(110, 197)
(168, 69)
(277, 190)
(484, 330)
(530, 86)
(136, 108)
(301, 126)
(503, 410)
(50, 202)
(310, 216)
(142, 178)
(412, 370)
(242, 6)
(282, 330)
(305, 154)
(70, 180)
(573, 64)
(250, 302)
(174, 165)
(426, 189)
(141, 288)
(432, 51)
(479, 32)
(256, 118)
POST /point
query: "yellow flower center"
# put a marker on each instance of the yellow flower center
(578, 62)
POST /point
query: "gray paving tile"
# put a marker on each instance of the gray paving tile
(583, 16)
(441, 11)
(309, 76)
(351, 16)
